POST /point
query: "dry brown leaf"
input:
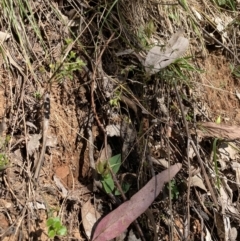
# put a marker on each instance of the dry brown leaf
(196, 181)
(223, 131)
(89, 217)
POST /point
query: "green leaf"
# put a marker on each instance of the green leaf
(72, 55)
(108, 184)
(56, 225)
(62, 231)
(125, 188)
(50, 222)
(101, 167)
(115, 163)
(51, 233)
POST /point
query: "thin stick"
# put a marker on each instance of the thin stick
(195, 150)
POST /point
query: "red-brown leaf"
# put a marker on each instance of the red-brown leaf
(119, 219)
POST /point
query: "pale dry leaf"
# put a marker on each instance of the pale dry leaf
(60, 186)
(103, 153)
(219, 24)
(4, 36)
(227, 226)
(33, 143)
(223, 164)
(238, 94)
(3, 126)
(89, 217)
(36, 205)
(228, 150)
(196, 181)
(223, 131)
(119, 219)
(208, 235)
(191, 152)
(236, 167)
(159, 58)
(30, 124)
(113, 130)
(224, 182)
(108, 87)
(233, 234)
(5, 204)
(162, 106)
(160, 161)
(124, 52)
(224, 199)
(51, 141)
(197, 14)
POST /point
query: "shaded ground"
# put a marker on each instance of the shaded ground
(76, 53)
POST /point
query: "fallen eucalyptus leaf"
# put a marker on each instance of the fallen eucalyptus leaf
(119, 219)
(222, 131)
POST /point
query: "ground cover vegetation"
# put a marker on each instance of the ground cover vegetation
(119, 120)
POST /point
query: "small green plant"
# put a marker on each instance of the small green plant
(231, 4)
(235, 70)
(70, 65)
(145, 33)
(37, 95)
(106, 178)
(174, 189)
(4, 162)
(180, 69)
(55, 227)
(115, 100)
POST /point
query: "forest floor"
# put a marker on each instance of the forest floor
(78, 85)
